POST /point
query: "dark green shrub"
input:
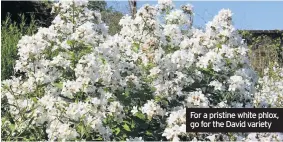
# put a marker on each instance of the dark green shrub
(11, 33)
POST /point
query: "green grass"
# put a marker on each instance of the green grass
(11, 33)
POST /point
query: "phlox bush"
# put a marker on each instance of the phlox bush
(81, 83)
(269, 95)
(270, 89)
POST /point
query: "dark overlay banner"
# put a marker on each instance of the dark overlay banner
(234, 119)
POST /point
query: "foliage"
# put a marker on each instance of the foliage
(81, 83)
(11, 33)
(109, 16)
(264, 49)
(97, 5)
(40, 9)
(112, 18)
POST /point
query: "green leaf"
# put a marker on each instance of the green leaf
(140, 115)
(103, 60)
(117, 131)
(99, 138)
(69, 42)
(126, 127)
(219, 46)
(12, 127)
(136, 47)
(34, 99)
(127, 92)
(133, 124)
(148, 133)
(157, 98)
(59, 85)
(81, 129)
(127, 122)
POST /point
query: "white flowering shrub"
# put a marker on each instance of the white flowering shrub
(270, 89)
(269, 95)
(80, 83)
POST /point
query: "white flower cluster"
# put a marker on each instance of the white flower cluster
(151, 109)
(176, 124)
(82, 83)
(165, 4)
(176, 16)
(270, 92)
